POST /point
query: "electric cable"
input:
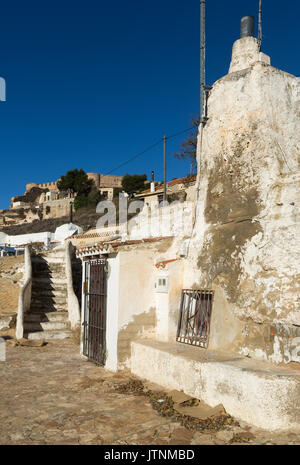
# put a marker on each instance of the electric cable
(150, 148)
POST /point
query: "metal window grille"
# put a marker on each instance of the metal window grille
(194, 317)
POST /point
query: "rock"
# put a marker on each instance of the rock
(201, 411)
(202, 439)
(244, 436)
(179, 396)
(181, 436)
(32, 343)
(12, 342)
(224, 435)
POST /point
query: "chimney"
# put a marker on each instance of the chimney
(152, 185)
(246, 50)
(247, 26)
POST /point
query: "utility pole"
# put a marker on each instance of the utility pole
(202, 60)
(165, 168)
(259, 25)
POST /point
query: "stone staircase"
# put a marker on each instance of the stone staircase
(48, 314)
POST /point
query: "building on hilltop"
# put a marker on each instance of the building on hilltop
(46, 200)
(104, 182)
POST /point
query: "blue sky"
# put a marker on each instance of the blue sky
(92, 83)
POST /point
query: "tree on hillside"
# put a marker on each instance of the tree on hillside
(77, 181)
(188, 148)
(133, 183)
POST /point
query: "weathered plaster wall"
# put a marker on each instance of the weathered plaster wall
(112, 312)
(246, 241)
(137, 312)
(139, 306)
(175, 219)
(168, 304)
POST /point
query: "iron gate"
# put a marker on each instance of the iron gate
(94, 323)
(194, 317)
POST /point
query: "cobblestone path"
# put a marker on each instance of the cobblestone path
(50, 395)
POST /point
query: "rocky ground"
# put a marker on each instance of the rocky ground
(50, 395)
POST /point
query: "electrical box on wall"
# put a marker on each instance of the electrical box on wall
(162, 284)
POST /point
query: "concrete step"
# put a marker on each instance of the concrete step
(51, 295)
(48, 308)
(46, 316)
(50, 258)
(52, 261)
(47, 293)
(48, 275)
(35, 326)
(48, 266)
(45, 264)
(46, 335)
(40, 280)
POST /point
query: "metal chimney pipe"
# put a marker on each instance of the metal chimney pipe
(71, 212)
(247, 26)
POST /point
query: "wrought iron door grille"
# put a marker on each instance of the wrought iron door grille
(194, 317)
(94, 331)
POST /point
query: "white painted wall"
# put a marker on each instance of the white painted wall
(73, 304)
(175, 219)
(112, 312)
(21, 239)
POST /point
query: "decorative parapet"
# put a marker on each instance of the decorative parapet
(25, 294)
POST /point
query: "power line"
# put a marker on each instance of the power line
(148, 149)
(181, 132)
(136, 156)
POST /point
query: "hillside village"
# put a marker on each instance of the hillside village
(200, 294)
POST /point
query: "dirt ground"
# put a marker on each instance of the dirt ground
(10, 276)
(51, 395)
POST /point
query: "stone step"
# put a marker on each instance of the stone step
(34, 326)
(46, 335)
(46, 316)
(46, 308)
(46, 274)
(49, 299)
(53, 261)
(48, 292)
(48, 266)
(46, 280)
(48, 263)
(53, 254)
